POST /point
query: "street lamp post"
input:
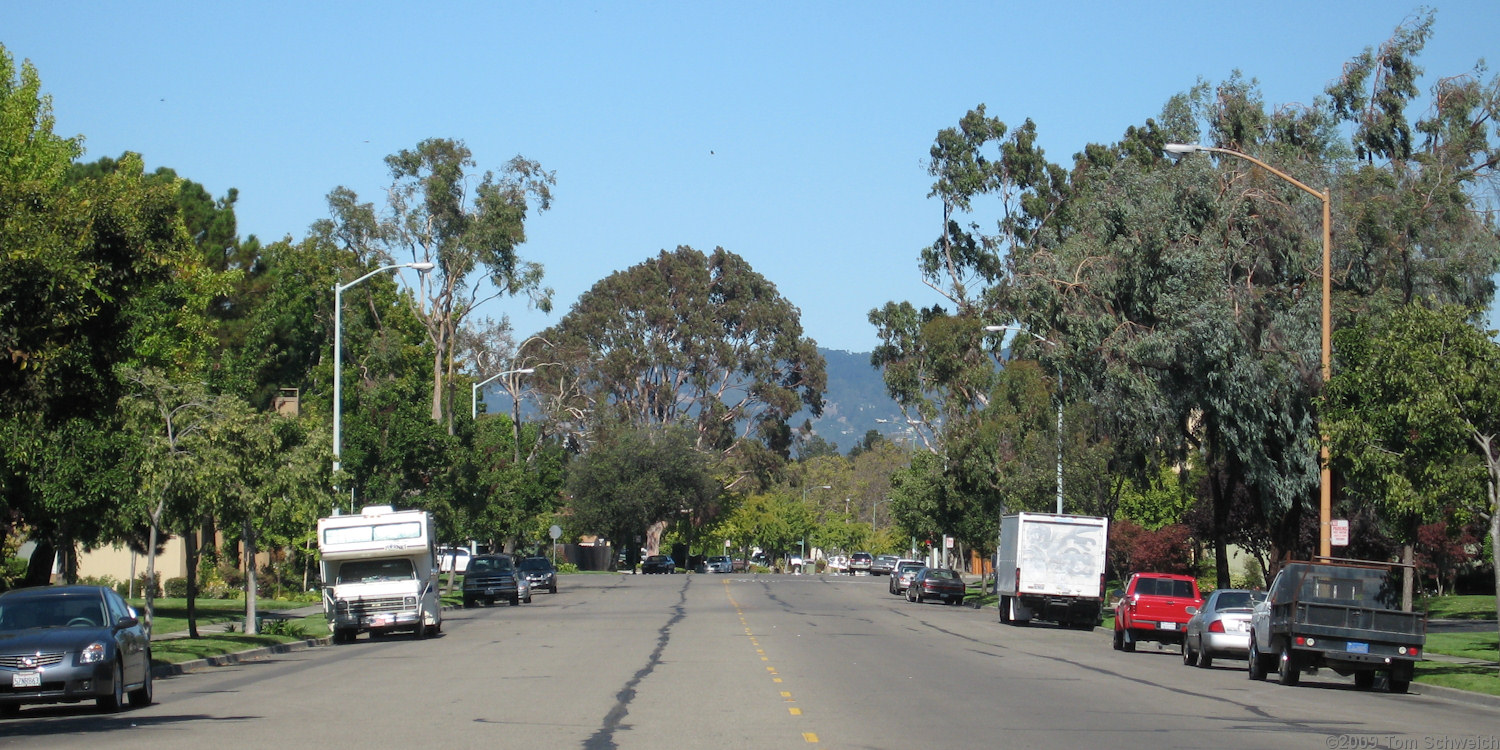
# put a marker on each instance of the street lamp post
(1325, 474)
(338, 349)
(1052, 343)
(474, 389)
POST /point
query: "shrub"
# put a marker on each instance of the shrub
(567, 567)
(140, 585)
(283, 627)
(177, 588)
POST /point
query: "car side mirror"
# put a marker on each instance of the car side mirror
(126, 622)
(1191, 611)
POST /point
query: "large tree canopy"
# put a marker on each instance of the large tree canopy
(694, 338)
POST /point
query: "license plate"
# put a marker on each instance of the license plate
(26, 679)
(1355, 647)
(1235, 627)
(1168, 626)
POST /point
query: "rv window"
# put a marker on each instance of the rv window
(366, 571)
(380, 533)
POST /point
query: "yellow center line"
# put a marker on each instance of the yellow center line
(786, 695)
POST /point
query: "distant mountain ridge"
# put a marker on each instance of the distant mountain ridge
(854, 402)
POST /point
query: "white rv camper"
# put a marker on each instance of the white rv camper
(380, 573)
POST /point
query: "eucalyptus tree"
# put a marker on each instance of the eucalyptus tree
(692, 338)
(435, 213)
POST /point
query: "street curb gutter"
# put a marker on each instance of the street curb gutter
(1454, 694)
(173, 670)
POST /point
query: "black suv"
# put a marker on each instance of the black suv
(860, 562)
(490, 578)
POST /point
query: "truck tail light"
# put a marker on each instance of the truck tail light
(1018, 579)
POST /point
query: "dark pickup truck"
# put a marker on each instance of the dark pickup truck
(1345, 617)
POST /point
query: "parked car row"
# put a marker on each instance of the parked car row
(920, 583)
(491, 578)
(1338, 616)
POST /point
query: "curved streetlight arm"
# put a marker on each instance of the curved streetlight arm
(338, 348)
(1325, 474)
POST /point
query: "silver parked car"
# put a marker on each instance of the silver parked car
(1220, 628)
(65, 644)
(720, 564)
(903, 573)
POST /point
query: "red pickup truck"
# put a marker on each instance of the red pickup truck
(1154, 608)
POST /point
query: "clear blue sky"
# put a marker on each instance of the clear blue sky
(792, 133)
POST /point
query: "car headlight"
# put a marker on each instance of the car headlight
(93, 653)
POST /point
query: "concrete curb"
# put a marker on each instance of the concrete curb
(224, 660)
(1456, 695)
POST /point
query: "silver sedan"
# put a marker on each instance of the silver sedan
(1220, 628)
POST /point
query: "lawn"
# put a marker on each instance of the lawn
(171, 614)
(1460, 608)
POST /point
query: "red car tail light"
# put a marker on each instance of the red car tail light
(1217, 626)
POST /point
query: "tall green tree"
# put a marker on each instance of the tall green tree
(1414, 415)
(638, 478)
(703, 339)
(470, 232)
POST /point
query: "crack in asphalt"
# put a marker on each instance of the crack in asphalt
(604, 739)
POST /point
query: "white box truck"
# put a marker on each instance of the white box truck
(380, 573)
(1051, 567)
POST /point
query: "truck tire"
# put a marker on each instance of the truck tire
(1364, 680)
(468, 602)
(1288, 671)
(515, 601)
(1257, 666)
(1397, 685)
(1004, 610)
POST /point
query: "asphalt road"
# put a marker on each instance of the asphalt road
(735, 661)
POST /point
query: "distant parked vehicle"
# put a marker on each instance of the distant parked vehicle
(454, 559)
(901, 577)
(1154, 608)
(492, 578)
(65, 644)
(1221, 628)
(838, 565)
(659, 564)
(859, 562)
(883, 565)
(936, 583)
(539, 573)
(720, 564)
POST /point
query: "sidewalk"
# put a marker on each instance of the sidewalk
(238, 624)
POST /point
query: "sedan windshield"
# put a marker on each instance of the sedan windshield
(52, 612)
(941, 573)
(535, 563)
(489, 564)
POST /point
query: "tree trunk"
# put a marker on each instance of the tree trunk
(1408, 577)
(250, 580)
(190, 541)
(149, 585)
(39, 567)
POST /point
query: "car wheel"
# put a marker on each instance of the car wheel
(112, 702)
(552, 589)
(1204, 660)
(1288, 672)
(1187, 654)
(918, 598)
(468, 602)
(1127, 641)
(1119, 640)
(141, 696)
(528, 598)
(1256, 668)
